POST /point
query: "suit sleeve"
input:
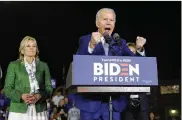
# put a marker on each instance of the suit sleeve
(9, 88)
(126, 50)
(83, 46)
(47, 92)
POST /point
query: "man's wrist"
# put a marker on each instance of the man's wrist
(91, 45)
(90, 50)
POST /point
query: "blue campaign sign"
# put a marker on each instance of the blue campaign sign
(114, 70)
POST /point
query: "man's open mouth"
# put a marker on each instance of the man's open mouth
(107, 29)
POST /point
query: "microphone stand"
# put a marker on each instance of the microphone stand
(118, 41)
(108, 40)
(110, 108)
(113, 54)
(110, 97)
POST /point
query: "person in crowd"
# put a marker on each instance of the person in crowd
(58, 96)
(28, 83)
(54, 114)
(62, 110)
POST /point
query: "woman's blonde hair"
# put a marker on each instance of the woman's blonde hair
(22, 45)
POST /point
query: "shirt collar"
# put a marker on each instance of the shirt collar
(33, 63)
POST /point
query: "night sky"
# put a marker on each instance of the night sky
(57, 27)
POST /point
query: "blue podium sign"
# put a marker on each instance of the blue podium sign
(114, 70)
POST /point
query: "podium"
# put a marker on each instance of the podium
(111, 74)
(90, 74)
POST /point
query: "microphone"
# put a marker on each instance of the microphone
(117, 39)
(108, 40)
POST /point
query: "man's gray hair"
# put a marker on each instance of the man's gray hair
(105, 9)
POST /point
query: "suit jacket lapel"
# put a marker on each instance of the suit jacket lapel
(24, 77)
(112, 43)
(99, 50)
(37, 69)
(23, 69)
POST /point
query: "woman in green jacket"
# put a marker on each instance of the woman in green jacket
(28, 83)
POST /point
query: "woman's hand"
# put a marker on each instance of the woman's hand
(26, 98)
(36, 97)
(31, 98)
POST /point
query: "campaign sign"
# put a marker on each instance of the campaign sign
(114, 70)
(53, 83)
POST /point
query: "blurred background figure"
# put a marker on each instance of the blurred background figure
(58, 95)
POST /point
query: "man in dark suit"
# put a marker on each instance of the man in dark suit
(95, 107)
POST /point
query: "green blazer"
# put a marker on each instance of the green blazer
(17, 83)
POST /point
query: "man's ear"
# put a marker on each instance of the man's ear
(97, 23)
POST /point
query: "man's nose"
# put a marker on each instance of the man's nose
(108, 22)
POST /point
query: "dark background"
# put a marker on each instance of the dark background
(57, 27)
